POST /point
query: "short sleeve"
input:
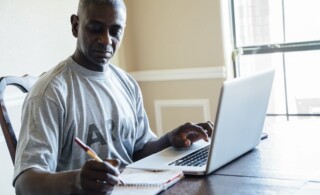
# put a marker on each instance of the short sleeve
(38, 140)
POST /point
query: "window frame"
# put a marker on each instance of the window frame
(283, 48)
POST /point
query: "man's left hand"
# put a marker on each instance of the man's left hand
(185, 135)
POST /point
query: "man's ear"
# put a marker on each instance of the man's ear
(75, 24)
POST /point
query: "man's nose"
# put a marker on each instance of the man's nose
(106, 39)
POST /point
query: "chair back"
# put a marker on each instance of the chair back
(24, 83)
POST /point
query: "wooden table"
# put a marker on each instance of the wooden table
(287, 162)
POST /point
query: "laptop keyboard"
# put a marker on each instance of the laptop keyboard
(196, 159)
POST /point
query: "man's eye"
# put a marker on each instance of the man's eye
(95, 28)
(116, 32)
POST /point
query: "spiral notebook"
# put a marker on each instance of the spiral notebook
(138, 181)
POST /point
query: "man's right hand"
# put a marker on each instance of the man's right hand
(98, 177)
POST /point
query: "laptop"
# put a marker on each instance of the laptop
(238, 128)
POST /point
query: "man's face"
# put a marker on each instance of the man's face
(99, 29)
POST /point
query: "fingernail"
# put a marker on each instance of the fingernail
(120, 182)
(113, 162)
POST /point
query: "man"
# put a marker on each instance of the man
(87, 97)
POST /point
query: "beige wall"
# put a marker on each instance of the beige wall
(165, 34)
(179, 92)
(175, 35)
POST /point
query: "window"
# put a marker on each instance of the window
(285, 35)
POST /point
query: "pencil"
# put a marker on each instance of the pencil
(88, 150)
(93, 155)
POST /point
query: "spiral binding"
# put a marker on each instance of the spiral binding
(140, 185)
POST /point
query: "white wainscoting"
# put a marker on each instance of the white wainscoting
(180, 74)
(6, 171)
(159, 104)
(13, 102)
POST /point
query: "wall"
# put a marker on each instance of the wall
(34, 35)
(176, 50)
(165, 34)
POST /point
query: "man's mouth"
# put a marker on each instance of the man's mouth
(103, 53)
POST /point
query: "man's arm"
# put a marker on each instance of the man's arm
(152, 147)
(93, 178)
(182, 136)
(35, 181)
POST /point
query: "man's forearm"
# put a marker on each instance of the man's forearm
(152, 147)
(35, 181)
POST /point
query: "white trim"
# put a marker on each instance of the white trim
(14, 99)
(159, 104)
(2, 141)
(180, 74)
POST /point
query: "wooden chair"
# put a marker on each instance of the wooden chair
(24, 83)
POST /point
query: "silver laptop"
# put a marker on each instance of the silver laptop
(238, 127)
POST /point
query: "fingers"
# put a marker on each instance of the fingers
(114, 162)
(181, 141)
(103, 167)
(208, 127)
(188, 133)
(95, 187)
(98, 176)
(196, 130)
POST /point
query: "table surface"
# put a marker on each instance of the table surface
(287, 162)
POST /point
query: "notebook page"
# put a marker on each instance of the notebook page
(137, 176)
(145, 182)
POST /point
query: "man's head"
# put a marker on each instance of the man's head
(99, 29)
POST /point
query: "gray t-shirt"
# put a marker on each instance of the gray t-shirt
(104, 109)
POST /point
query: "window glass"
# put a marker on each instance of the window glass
(302, 73)
(266, 22)
(253, 63)
(302, 20)
(258, 22)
